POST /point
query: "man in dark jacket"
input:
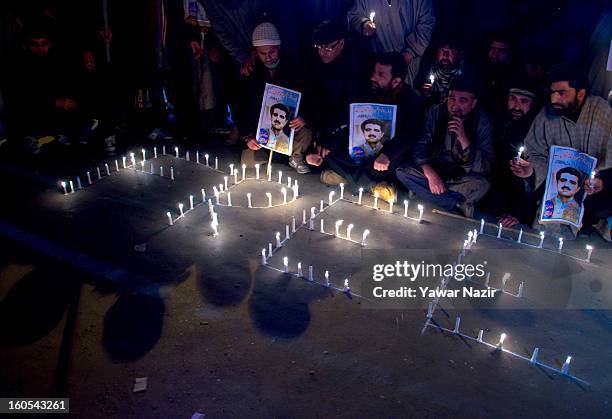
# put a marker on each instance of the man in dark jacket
(454, 154)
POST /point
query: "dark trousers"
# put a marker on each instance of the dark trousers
(342, 164)
(469, 187)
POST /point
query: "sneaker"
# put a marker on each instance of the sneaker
(385, 190)
(109, 144)
(467, 209)
(31, 145)
(329, 177)
(299, 166)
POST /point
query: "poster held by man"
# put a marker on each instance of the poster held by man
(371, 124)
(279, 106)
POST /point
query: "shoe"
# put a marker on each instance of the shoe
(329, 177)
(385, 190)
(299, 166)
(31, 145)
(467, 209)
(109, 144)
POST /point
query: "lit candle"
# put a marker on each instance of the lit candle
(342, 191)
(203, 195)
(144, 154)
(296, 189)
(142, 163)
(278, 240)
(560, 246)
(432, 78)
(225, 182)
(520, 236)
(249, 200)
(235, 176)
(221, 187)
(499, 230)
(299, 270)
(180, 206)
(171, 173)
(376, 195)
(391, 205)
(363, 238)
(206, 156)
(124, 163)
(346, 285)
(286, 264)
(566, 365)
(133, 160)
(116, 165)
(372, 14)
(89, 177)
(64, 188)
(280, 176)
(107, 169)
(457, 324)
(152, 170)
(541, 239)
(475, 235)
(270, 174)
(321, 206)
(71, 187)
(215, 228)
(176, 152)
(519, 293)
(470, 236)
(331, 197)
(520, 152)
(257, 171)
(482, 225)
(263, 256)
(592, 180)
(169, 217)
(502, 338)
(420, 207)
(216, 193)
(311, 224)
(326, 283)
(289, 181)
(312, 212)
(161, 171)
(190, 201)
(406, 208)
(216, 163)
(360, 195)
(79, 186)
(197, 157)
(284, 192)
(270, 249)
(589, 250)
(164, 150)
(338, 224)
(99, 174)
(293, 224)
(487, 279)
(310, 276)
(269, 195)
(231, 166)
(287, 236)
(322, 225)
(155, 152)
(348, 231)
(303, 216)
(243, 172)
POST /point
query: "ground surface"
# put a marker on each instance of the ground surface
(82, 313)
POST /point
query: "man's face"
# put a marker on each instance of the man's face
(564, 99)
(460, 104)
(447, 56)
(519, 106)
(373, 133)
(567, 185)
(329, 52)
(279, 119)
(39, 46)
(381, 80)
(499, 52)
(268, 54)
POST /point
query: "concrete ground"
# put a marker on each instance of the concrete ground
(83, 313)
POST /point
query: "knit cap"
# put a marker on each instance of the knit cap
(265, 34)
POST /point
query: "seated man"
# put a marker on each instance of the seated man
(508, 200)
(271, 68)
(497, 69)
(41, 98)
(375, 159)
(578, 120)
(454, 154)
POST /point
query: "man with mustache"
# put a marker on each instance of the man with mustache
(564, 205)
(278, 140)
(573, 118)
(507, 198)
(453, 156)
(434, 79)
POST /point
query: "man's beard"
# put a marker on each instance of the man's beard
(273, 65)
(566, 110)
(517, 114)
(378, 90)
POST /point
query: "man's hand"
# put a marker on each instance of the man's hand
(382, 162)
(65, 104)
(427, 89)
(408, 57)
(521, 168)
(314, 159)
(596, 188)
(322, 151)
(248, 67)
(455, 126)
(214, 55)
(253, 144)
(297, 123)
(436, 184)
(89, 61)
(196, 50)
(368, 28)
(508, 220)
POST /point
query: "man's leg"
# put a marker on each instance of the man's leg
(413, 179)
(301, 141)
(471, 187)
(342, 164)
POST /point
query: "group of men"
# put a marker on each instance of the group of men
(458, 129)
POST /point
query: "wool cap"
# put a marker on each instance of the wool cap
(265, 34)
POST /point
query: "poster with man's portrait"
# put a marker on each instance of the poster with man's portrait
(563, 199)
(278, 107)
(371, 124)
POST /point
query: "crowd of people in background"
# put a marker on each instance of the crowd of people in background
(154, 70)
